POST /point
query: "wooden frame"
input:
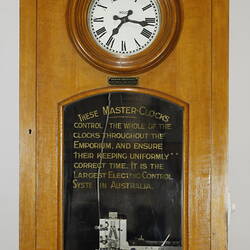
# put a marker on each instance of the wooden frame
(28, 129)
(77, 22)
(219, 188)
(164, 96)
(27, 198)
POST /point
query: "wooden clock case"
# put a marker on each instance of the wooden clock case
(194, 75)
(77, 23)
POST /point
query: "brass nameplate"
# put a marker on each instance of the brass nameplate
(116, 81)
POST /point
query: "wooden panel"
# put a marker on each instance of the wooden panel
(219, 191)
(27, 224)
(185, 75)
(193, 78)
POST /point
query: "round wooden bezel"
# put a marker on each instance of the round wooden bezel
(164, 43)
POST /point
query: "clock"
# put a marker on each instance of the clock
(124, 27)
(124, 37)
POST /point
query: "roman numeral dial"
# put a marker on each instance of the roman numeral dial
(124, 27)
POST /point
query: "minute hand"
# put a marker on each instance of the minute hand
(142, 23)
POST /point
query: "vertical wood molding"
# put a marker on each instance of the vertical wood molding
(27, 207)
(219, 186)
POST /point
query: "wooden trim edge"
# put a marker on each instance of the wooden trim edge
(27, 126)
(185, 178)
(219, 186)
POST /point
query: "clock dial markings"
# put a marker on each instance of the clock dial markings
(110, 42)
(146, 33)
(137, 43)
(102, 6)
(124, 47)
(101, 32)
(142, 23)
(147, 7)
(125, 27)
(99, 19)
(150, 20)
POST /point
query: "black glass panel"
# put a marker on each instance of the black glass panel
(123, 173)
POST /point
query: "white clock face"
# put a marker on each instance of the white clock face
(124, 27)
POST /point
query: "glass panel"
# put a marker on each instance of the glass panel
(123, 173)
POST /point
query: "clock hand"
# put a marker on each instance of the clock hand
(124, 19)
(142, 23)
(115, 31)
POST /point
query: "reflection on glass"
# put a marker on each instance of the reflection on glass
(123, 173)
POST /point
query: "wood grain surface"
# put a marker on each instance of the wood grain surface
(194, 74)
(27, 132)
(219, 187)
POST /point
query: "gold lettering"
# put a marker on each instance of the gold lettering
(88, 165)
(148, 156)
(83, 155)
(118, 165)
(86, 135)
(119, 110)
(81, 185)
(84, 175)
(88, 125)
(93, 145)
(148, 146)
(123, 145)
(129, 185)
(108, 156)
(88, 116)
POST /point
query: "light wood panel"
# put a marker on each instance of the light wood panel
(195, 73)
(27, 200)
(219, 187)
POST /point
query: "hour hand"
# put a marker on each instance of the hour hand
(111, 39)
(115, 31)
